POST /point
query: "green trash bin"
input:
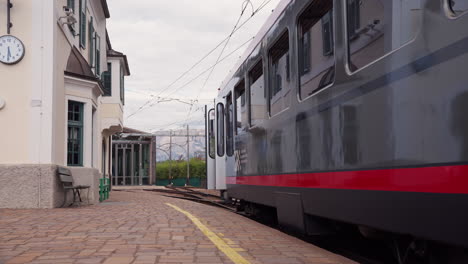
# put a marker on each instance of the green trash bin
(104, 189)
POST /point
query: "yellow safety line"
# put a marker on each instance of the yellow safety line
(219, 243)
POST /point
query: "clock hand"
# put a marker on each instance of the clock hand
(9, 53)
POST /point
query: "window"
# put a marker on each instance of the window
(458, 6)
(277, 80)
(122, 87)
(83, 23)
(94, 48)
(257, 94)
(92, 43)
(211, 135)
(107, 80)
(353, 18)
(220, 129)
(279, 68)
(241, 110)
(316, 49)
(327, 34)
(229, 126)
(304, 55)
(377, 27)
(75, 134)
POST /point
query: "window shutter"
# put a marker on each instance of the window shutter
(71, 4)
(98, 55)
(91, 42)
(83, 23)
(122, 88)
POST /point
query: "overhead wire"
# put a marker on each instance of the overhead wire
(245, 4)
(206, 70)
(264, 3)
(150, 104)
(228, 39)
(165, 126)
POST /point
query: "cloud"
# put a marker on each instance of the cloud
(162, 39)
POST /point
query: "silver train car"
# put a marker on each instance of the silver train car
(350, 111)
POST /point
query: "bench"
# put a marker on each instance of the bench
(66, 179)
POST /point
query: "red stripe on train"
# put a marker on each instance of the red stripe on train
(440, 179)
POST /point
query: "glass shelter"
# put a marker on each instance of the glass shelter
(133, 160)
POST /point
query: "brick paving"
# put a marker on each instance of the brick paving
(137, 227)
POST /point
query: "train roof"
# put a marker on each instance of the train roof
(274, 16)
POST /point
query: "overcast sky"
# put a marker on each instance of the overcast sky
(163, 39)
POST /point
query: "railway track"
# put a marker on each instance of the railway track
(188, 193)
(355, 248)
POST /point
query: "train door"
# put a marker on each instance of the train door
(211, 148)
(220, 136)
(230, 158)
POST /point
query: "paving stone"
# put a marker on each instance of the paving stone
(138, 227)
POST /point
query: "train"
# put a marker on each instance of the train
(352, 112)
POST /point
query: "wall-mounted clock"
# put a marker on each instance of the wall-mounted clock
(11, 49)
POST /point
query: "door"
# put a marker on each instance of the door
(229, 128)
(211, 148)
(220, 136)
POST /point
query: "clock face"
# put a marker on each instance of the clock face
(11, 49)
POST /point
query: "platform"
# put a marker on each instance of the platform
(136, 226)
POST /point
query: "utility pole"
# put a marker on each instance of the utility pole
(187, 181)
(170, 158)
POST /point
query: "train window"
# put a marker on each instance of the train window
(316, 59)
(458, 6)
(241, 110)
(220, 129)
(377, 27)
(229, 126)
(279, 84)
(353, 18)
(211, 135)
(257, 94)
(327, 34)
(304, 49)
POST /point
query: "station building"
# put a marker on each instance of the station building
(61, 103)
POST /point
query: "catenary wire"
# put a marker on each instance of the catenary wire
(244, 7)
(264, 3)
(150, 104)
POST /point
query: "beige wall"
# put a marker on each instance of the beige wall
(112, 111)
(15, 89)
(62, 52)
